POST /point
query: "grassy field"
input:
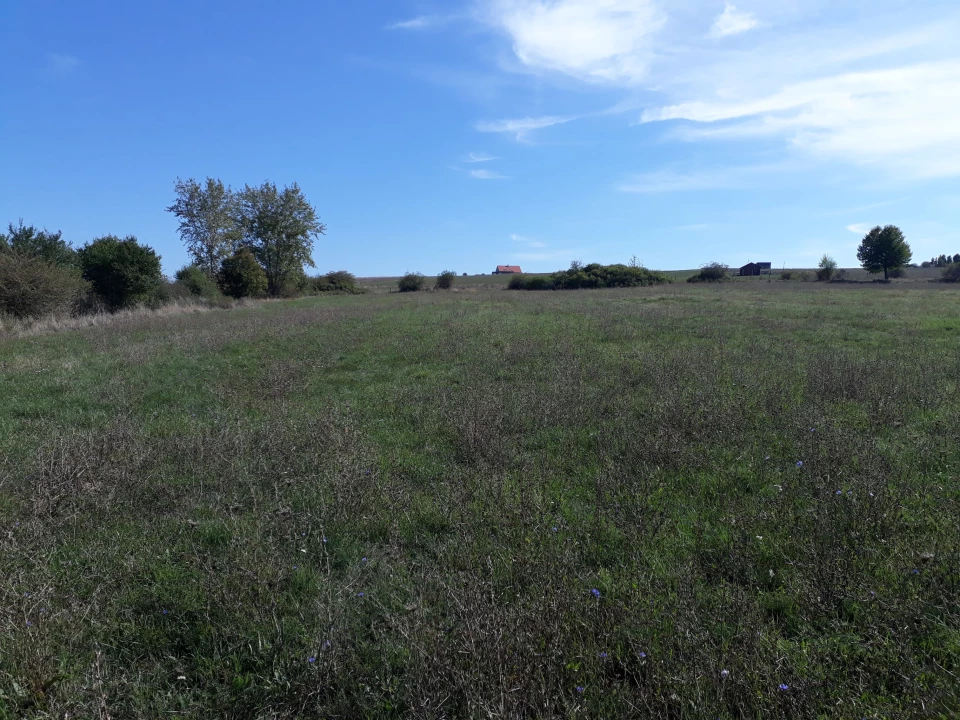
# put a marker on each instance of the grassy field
(676, 502)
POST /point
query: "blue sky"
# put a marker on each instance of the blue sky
(462, 135)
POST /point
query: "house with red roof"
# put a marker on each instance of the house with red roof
(507, 270)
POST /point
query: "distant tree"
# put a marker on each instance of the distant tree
(33, 287)
(884, 249)
(197, 282)
(951, 273)
(411, 282)
(712, 272)
(956, 258)
(445, 279)
(208, 221)
(122, 272)
(27, 241)
(279, 227)
(241, 276)
(828, 267)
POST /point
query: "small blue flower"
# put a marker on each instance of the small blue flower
(916, 572)
(799, 463)
(839, 492)
(326, 644)
(311, 659)
(363, 560)
(595, 593)
(360, 594)
(554, 528)
(29, 624)
(724, 673)
(643, 655)
(783, 687)
(580, 689)
(165, 612)
(296, 567)
(603, 656)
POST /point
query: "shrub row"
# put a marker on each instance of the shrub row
(590, 277)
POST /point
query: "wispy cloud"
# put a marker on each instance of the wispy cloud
(528, 241)
(859, 228)
(479, 158)
(62, 64)
(722, 179)
(521, 127)
(594, 40)
(419, 23)
(733, 22)
(487, 175)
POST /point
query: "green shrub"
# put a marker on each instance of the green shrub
(122, 272)
(445, 280)
(411, 282)
(43, 245)
(586, 277)
(713, 272)
(828, 267)
(335, 281)
(241, 276)
(951, 273)
(197, 283)
(31, 287)
(796, 276)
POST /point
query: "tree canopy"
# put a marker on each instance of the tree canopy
(49, 247)
(122, 272)
(208, 221)
(884, 249)
(279, 227)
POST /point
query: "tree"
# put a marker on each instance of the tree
(828, 266)
(122, 272)
(241, 276)
(29, 242)
(956, 258)
(208, 221)
(445, 280)
(411, 282)
(279, 227)
(884, 249)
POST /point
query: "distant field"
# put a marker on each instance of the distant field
(736, 501)
(490, 282)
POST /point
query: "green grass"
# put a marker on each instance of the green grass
(421, 492)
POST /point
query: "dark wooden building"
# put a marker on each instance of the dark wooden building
(761, 268)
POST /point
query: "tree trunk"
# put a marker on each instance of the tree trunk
(886, 275)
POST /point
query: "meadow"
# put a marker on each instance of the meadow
(732, 501)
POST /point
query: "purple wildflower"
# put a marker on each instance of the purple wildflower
(580, 689)
(595, 593)
(784, 688)
(799, 463)
(311, 659)
(724, 673)
(643, 655)
(603, 656)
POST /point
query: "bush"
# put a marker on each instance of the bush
(796, 275)
(241, 276)
(586, 277)
(951, 273)
(445, 280)
(898, 272)
(828, 267)
(31, 287)
(197, 283)
(335, 281)
(122, 272)
(714, 272)
(411, 282)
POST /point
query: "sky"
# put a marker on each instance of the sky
(464, 134)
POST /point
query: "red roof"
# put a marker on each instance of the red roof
(509, 269)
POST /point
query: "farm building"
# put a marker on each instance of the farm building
(761, 268)
(507, 270)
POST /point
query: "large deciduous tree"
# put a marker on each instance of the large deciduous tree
(279, 227)
(208, 221)
(884, 249)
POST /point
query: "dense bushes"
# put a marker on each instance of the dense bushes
(241, 276)
(951, 273)
(335, 281)
(122, 272)
(197, 283)
(445, 280)
(593, 276)
(31, 287)
(411, 282)
(714, 272)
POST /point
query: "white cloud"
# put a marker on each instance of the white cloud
(479, 158)
(903, 118)
(859, 228)
(521, 127)
(418, 23)
(670, 181)
(486, 175)
(62, 64)
(733, 22)
(593, 40)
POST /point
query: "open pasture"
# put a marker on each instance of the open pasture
(737, 501)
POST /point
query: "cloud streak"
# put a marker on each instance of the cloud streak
(732, 22)
(479, 158)
(522, 127)
(487, 175)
